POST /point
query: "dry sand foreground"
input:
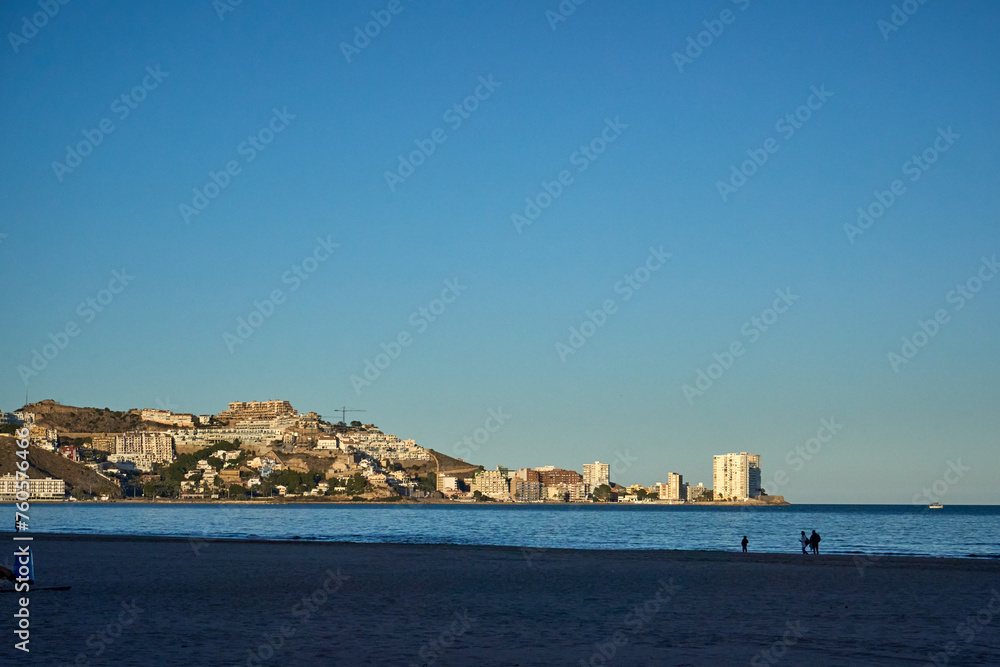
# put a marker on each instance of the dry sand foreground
(147, 601)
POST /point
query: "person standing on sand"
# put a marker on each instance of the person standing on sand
(804, 541)
(814, 542)
(745, 542)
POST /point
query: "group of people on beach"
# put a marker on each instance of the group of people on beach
(811, 541)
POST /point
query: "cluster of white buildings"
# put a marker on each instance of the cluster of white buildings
(255, 434)
(735, 477)
(375, 444)
(531, 485)
(44, 438)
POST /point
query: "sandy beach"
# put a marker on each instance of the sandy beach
(153, 601)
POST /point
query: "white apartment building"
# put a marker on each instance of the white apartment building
(492, 483)
(166, 417)
(736, 476)
(257, 410)
(596, 473)
(38, 489)
(159, 446)
(248, 434)
(447, 483)
(674, 487)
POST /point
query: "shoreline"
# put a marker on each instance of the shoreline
(279, 500)
(787, 558)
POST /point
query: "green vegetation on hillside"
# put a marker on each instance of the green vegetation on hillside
(427, 483)
(356, 484)
(171, 476)
(294, 482)
(185, 463)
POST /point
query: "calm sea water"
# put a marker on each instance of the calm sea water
(847, 529)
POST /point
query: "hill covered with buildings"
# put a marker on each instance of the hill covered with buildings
(267, 448)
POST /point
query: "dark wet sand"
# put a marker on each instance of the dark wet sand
(150, 601)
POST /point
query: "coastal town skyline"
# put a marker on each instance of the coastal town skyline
(268, 431)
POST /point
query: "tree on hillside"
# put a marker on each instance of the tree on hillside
(132, 485)
(356, 484)
(603, 492)
(427, 483)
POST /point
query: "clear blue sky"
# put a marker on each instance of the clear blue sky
(160, 340)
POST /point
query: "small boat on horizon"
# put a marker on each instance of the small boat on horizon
(935, 506)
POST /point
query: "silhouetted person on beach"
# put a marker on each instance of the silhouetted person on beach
(804, 541)
(814, 542)
(745, 543)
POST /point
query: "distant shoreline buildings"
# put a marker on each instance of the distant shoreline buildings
(272, 431)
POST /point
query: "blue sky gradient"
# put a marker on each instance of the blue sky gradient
(161, 340)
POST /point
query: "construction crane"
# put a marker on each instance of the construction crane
(343, 412)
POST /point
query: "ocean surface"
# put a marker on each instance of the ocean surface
(955, 531)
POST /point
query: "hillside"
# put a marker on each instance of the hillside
(88, 420)
(453, 466)
(43, 463)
